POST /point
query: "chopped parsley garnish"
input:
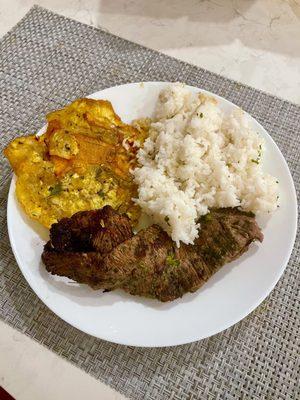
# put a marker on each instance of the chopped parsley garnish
(259, 151)
(258, 156)
(57, 189)
(172, 260)
(207, 217)
(201, 115)
(101, 193)
(167, 219)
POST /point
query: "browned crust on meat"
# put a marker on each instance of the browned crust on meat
(96, 230)
(149, 264)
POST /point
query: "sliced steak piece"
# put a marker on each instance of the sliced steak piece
(149, 264)
(80, 267)
(96, 230)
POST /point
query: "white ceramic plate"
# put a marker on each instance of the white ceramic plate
(230, 295)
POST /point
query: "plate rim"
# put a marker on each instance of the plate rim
(175, 342)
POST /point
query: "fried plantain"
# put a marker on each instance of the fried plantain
(82, 162)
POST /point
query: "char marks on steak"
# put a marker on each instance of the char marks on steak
(96, 230)
(149, 263)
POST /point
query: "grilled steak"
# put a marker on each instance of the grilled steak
(149, 264)
(96, 230)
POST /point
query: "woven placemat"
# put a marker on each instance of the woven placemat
(45, 62)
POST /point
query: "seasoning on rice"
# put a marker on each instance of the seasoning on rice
(197, 158)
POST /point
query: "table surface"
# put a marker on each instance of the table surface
(255, 42)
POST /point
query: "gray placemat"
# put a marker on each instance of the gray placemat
(45, 62)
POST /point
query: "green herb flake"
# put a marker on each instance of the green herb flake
(201, 115)
(207, 217)
(255, 161)
(101, 193)
(167, 219)
(143, 266)
(259, 153)
(57, 189)
(172, 260)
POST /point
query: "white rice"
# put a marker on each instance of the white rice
(196, 158)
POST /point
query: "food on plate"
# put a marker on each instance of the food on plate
(100, 230)
(149, 263)
(197, 158)
(194, 170)
(82, 162)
